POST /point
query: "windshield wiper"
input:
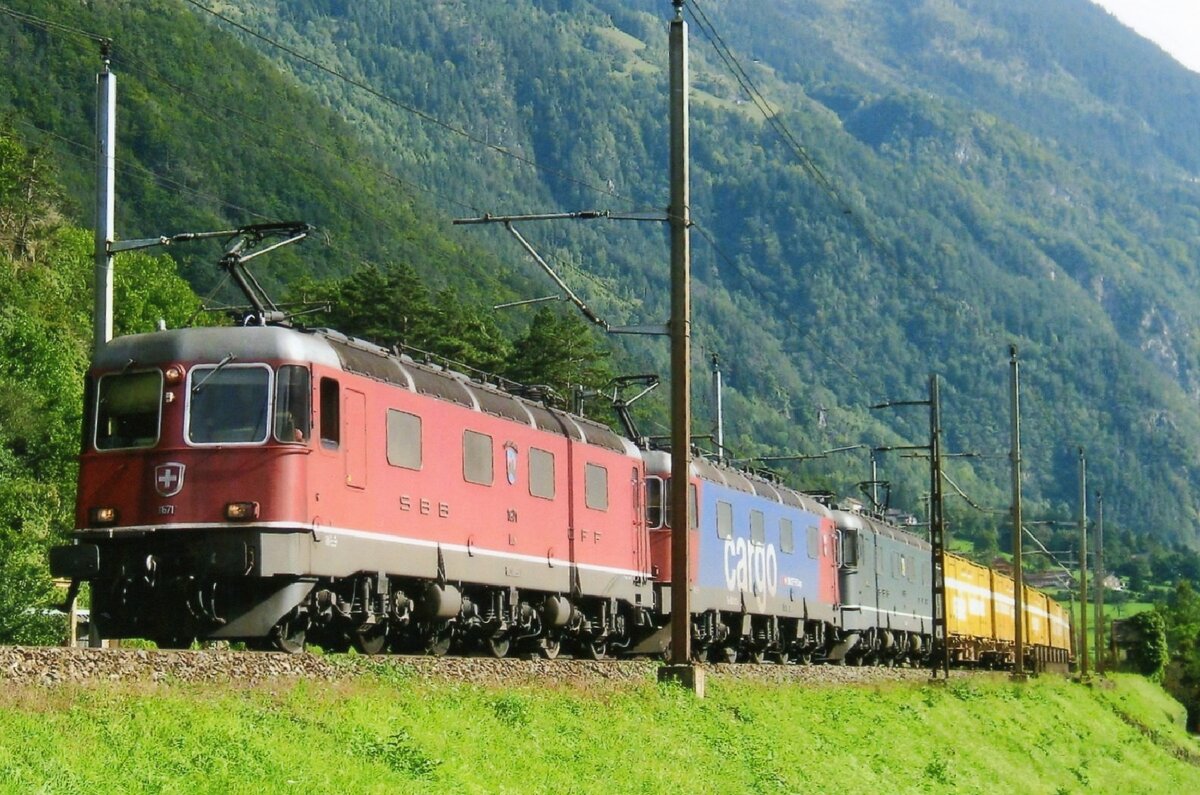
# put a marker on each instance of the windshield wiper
(220, 365)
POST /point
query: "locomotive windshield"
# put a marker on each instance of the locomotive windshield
(127, 410)
(228, 404)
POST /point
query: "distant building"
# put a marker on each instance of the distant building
(1113, 583)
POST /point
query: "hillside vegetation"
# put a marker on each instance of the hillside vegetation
(969, 178)
(395, 732)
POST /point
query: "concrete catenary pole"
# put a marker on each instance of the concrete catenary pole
(1083, 590)
(106, 168)
(1018, 575)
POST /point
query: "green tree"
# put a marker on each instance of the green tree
(45, 342)
(28, 198)
(1149, 656)
(469, 334)
(560, 351)
(383, 306)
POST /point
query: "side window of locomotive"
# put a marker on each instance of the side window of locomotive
(693, 506)
(787, 537)
(228, 404)
(595, 487)
(477, 458)
(814, 543)
(724, 519)
(654, 502)
(403, 439)
(758, 528)
(849, 548)
(541, 473)
(293, 409)
(128, 410)
(331, 414)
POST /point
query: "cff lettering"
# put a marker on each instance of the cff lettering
(751, 567)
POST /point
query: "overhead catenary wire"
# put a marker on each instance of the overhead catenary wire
(52, 26)
(129, 168)
(200, 102)
(746, 82)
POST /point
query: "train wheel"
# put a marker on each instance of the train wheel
(288, 635)
(595, 650)
(437, 643)
(370, 640)
(497, 647)
(756, 656)
(727, 654)
(549, 648)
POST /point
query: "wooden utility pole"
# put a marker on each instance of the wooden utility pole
(937, 530)
(681, 669)
(1099, 583)
(1018, 576)
(940, 654)
(1083, 600)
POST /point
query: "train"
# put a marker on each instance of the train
(277, 485)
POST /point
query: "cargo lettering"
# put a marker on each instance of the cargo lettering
(751, 567)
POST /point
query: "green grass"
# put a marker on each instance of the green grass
(1111, 611)
(398, 733)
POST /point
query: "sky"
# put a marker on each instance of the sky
(1173, 25)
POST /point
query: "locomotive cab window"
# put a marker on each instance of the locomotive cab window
(655, 497)
(228, 404)
(814, 543)
(849, 541)
(331, 414)
(595, 487)
(128, 410)
(659, 507)
(293, 409)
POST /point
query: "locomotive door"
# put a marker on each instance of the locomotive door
(354, 438)
(869, 568)
(641, 542)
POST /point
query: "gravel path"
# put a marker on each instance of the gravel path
(49, 666)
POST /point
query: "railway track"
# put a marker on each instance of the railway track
(53, 666)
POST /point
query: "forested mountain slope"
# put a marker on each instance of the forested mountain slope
(1012, 174)
(972, 175)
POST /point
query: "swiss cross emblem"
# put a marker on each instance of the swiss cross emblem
(168, 479)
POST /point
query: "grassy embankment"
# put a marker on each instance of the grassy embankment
(397, 733)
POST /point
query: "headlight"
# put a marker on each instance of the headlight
(241, 511)
(102, 517)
